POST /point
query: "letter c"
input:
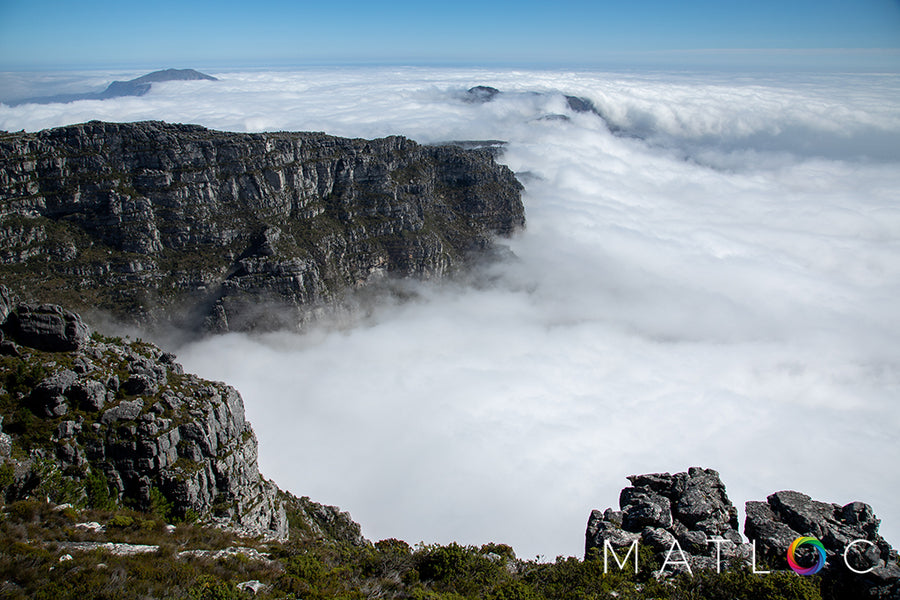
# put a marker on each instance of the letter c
(847, 562)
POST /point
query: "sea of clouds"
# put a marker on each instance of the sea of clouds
(709, 276)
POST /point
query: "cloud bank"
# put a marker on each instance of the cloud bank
(713, 285)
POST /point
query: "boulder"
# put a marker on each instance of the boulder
(659, 509)
(46, 327)
(88, 394)
(254, 587)
(125, 411)
(49, 398)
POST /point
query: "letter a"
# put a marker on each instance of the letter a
(683, 561)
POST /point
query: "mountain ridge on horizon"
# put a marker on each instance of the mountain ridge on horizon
(117, 89)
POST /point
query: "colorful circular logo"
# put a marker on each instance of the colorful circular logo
(806, 541)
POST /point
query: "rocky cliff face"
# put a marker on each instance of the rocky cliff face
(684, 513)
(155, 222)
(100, 422)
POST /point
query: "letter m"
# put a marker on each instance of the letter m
(607, 548)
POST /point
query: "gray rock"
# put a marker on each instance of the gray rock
(787, 515)
(658, 538)
(600, 529)
(5, 441)
(691, 508)
(82, 365)
(48, 398)
(46, 327)
(646, 510)
(88, 395)
(701, 514)
(7, 302)
(116, 549)
(140, 384)
(67, 429)
(254, 587)
(703, 504)
(762, 525)
(694, 542)
(125, 411)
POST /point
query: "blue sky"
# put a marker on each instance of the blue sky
(58, 34)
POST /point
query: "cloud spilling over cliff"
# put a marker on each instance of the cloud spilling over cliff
(708, 276)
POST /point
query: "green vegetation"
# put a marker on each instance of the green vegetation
(35, 563)
(98, 492)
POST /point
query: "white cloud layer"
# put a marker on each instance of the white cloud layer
(716, 285)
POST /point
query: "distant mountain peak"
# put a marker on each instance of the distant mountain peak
(173, 75)
(134, 87)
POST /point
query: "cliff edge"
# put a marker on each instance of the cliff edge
(103, 422)
(207, 230)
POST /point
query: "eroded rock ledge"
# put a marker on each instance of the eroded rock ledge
(689, 514)
(104, 422)
(155, 222)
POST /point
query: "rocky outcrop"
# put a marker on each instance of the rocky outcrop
(682, 514)
(687, 511)
(156, 222)
(322, 522)
(480, 94)
(849, 534)
(117, 422)
(46, 327)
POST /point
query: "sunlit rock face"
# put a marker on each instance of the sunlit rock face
(203, 228)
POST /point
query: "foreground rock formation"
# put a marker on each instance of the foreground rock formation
(160, 223)
(787, 515)
(679, 517)
(659, 510)
(107, 422)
